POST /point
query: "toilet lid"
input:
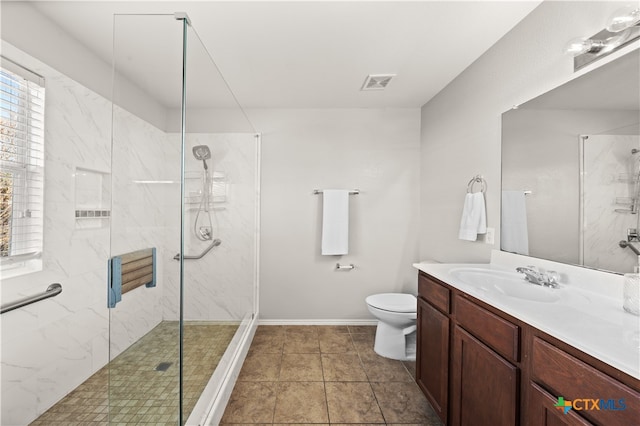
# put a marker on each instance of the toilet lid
(394, 302)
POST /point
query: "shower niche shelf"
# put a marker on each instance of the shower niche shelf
(628, 177)
(628, 205)
(92, 198)
(194, 184)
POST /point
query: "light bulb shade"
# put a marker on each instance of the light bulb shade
(580, 45)
(624, 18)
(617, 40)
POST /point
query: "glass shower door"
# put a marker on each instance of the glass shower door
(184, 238)
(144, 299)
(219, 228)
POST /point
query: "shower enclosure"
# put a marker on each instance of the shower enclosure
(166, 201)
(189, 190)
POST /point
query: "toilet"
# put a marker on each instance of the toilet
(396, 332)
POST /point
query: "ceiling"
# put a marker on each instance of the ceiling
(301, 54)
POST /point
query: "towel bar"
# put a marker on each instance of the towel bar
(352, 192)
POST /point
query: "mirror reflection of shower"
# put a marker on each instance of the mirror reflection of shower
(204, 232)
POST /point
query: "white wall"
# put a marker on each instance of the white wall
(460, 127)
(374, 150)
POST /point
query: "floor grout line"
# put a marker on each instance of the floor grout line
(334, 354)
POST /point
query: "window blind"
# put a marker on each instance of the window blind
(21, 161)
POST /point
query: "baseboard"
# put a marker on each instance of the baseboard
(317, 322)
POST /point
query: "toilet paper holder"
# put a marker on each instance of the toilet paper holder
(345, 267)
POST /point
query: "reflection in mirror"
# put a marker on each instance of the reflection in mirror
(571, 170)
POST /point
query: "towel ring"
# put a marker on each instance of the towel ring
(477, 179)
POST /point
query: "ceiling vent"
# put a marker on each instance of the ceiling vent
(377, 81)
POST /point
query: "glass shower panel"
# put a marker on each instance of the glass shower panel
(219, 226)
(144, 297)
(183, 260)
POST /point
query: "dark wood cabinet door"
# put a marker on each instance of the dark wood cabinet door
(484, 386)
(542, 411)
(432, 360)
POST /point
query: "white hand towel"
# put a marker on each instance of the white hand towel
(335, 222)
(474, 217)
(514, 236)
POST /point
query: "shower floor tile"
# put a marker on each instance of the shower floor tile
(140, 386)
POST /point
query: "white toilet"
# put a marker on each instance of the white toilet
(396, 332)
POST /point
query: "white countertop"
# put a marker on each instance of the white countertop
(592, 321)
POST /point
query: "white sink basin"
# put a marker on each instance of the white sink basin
(511, 284)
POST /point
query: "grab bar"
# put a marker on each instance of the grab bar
(214, 243)
(627, 244)
(51, 291)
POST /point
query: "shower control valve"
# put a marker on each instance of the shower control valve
(205, 232)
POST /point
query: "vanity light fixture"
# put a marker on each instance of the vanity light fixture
(586, 50)
(581, 45)
(623, 18)
(623, 27)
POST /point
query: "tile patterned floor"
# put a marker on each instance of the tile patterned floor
(130, 391)
(324, 375)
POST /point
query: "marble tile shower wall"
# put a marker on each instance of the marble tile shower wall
(142, 202)
(50, 347)
(219, 286)
(610, 175)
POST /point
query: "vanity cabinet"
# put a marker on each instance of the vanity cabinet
(484, 386)
(480, 366)
(484, 373)
(432, 365)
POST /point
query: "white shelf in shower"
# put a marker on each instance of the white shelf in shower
(193, 187)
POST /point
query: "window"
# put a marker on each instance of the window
(21, 168)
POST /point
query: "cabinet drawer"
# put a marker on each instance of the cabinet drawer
(544, 411)
(436, 294)
(498, 333)
(596, 396)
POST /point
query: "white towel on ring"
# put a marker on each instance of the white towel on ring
(474, 217)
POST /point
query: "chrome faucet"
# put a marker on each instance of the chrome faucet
(539, 277)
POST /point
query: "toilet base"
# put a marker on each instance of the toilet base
(391, 342)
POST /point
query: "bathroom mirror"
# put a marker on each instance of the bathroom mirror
(571, 170)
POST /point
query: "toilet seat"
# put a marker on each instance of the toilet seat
(393, 302)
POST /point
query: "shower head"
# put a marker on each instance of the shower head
(202, 152)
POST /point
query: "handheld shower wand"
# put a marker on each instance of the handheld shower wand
(202, 152)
